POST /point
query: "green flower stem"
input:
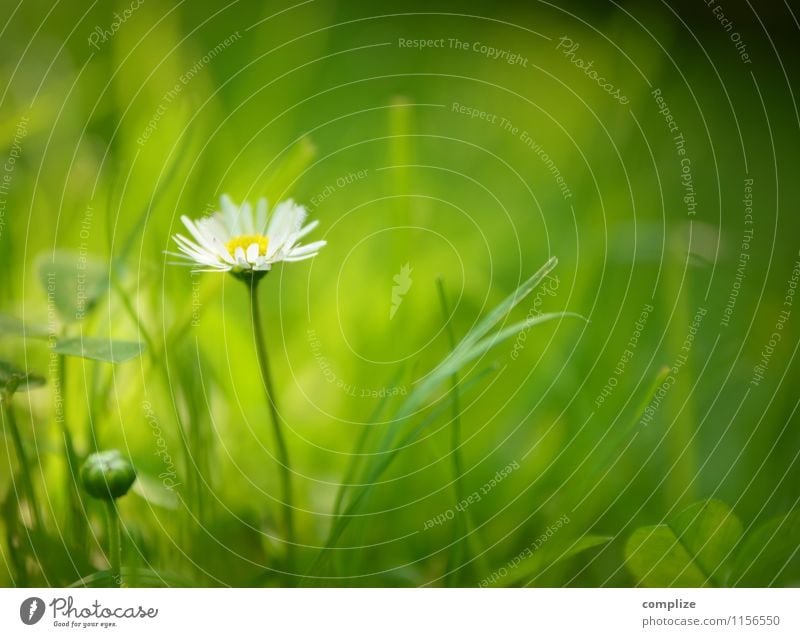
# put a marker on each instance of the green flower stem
(75, 506)
(27, 480)
(283, 454)
(460, 530)
(114, 542)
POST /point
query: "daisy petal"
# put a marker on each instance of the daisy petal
(252, 253)
(311, 247)
(261, 216)
(306, 229)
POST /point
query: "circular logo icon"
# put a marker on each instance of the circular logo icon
(31, 610)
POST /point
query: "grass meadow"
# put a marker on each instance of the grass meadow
(551, 339)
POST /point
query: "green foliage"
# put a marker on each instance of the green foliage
(704, 546)
(12, 326)
(154, 492)
(474, 344)
(99, 349)
(460, 172)
(548, 555)
(13, 379)
(73, 282)
(770, 555)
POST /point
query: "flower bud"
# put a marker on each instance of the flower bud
(107, 475)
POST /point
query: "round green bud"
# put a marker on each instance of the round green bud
(107, 475)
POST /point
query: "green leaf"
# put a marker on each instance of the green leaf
(99, 349)
(770, 555)
(73, 282)
(11, 325)
(549, 554)
(13, 379)
(694, 549)
(153, 491)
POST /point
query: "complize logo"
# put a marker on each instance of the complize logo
(67, 614)
(31, 610)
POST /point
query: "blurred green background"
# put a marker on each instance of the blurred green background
(116, 133)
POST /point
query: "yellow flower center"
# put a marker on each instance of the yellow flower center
(246, 240)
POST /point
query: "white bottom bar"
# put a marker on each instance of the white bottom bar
(401, 612)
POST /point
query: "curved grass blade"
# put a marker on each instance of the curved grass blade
(360, 445)
(341, 523)
(461, 552)
(463, 355)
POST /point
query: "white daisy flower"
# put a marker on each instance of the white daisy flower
(238, 241)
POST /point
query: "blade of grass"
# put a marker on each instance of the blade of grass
(470, 347)
(508, 304)
(291, 166)
(356, 461)
(679, 408)
(385, 460)
(590, 477)
(464, 351)
(454, 557)
(76, 512)
(400, 115)
(181, 154)
(360, 445)
(10, 424)
(17, 549)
